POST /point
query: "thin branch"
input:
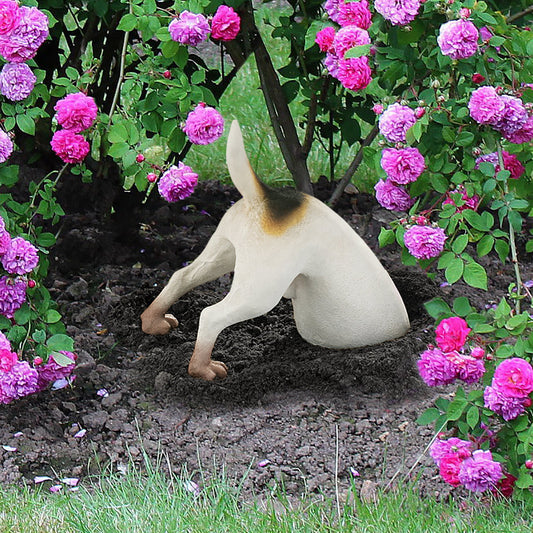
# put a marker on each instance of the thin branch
(516, 16)
(354, 165)
(116, 96)
(512, 242)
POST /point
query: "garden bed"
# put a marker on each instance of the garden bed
(289, 414)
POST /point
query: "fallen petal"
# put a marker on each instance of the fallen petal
(354, 472)
(263, 463)
(56, 488)
(191, 486)
(18, 434)
(81, 433)
(40, 479)
(102, 393)
(70, 481)
(9, 448)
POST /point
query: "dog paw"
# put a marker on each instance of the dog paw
(160, 325)
(215, 369)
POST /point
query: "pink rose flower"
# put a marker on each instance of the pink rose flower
(225, 24)
(398, 12)
(331, 62)
(453, 446)
(402, 166)
(21, 257)
(486, 105)
(4, 343)
(449, 469)
(424, 242)
(24, 40)
(395, 121)
(506, 406)
(10, 15)
(6, 146)
(324, 38)
(16, 81)
(392, 196)
(12, 295)
(458, 39)
(513, 116)
(69, 146)
(514, 377)
(76, 112)
(347, 38)
(354, 73)
(189, 28)
(480, 472)
(204, 124)
(354, 13)
(435, 368)
(468, 368)
(451, 333)
(523, 135)
(177, 183)
(7, 359)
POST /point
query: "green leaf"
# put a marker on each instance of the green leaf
(26, 124)
(475, 220)
(358, 51)
(46, 240)
(456, 408)
(60, 342)
(117, 133)
(460, 243)
(502, 249)
(170, 49)
(465, 138)
(472, 416)
(485, 245)
(437, 307)
(454, 271)
(475, 275)
(386, 236)
(128, 22)
(461, 306)
(428, 416)
(22, 315)
(525, 480)
(117, 150)
(52, 316)
(61, 359)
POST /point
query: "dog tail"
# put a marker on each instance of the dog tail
(239, 167)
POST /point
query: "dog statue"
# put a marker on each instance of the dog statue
(283, 243)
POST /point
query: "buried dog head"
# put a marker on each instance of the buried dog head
(283, 243)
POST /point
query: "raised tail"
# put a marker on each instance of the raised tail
(240, 171)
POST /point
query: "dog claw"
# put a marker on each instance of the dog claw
(215, 369)
(159, 326)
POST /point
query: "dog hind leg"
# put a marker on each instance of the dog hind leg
(249, 297)
(217, 259)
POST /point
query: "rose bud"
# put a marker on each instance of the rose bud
(139, 158)
(151, 177)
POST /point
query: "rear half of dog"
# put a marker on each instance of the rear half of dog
(284, 243)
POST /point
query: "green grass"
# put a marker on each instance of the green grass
(151, 502)
(244, 101)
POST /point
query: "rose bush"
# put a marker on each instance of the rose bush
(443, 86)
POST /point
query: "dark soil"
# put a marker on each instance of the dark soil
(287, 409)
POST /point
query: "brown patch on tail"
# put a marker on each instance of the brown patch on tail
(284, 208)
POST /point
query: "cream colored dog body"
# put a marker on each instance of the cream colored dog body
(284, 244)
